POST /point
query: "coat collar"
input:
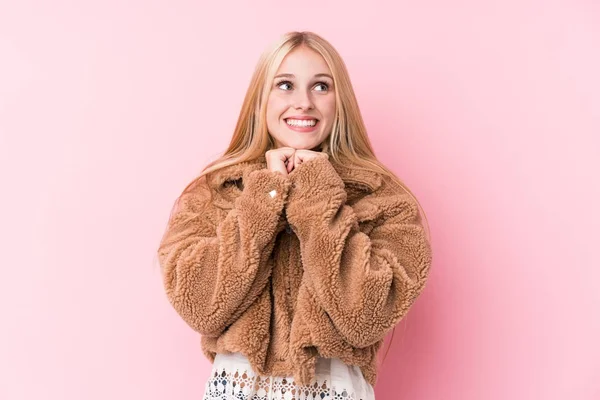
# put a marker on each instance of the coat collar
(357, 181)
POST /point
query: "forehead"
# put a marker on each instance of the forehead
(303, 61)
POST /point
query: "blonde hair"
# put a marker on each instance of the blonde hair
(348, 142)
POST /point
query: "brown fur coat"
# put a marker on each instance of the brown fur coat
(323, 262)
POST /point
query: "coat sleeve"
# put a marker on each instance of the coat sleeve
(213, 270)
(365, 282)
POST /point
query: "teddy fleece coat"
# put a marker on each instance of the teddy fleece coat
(322, 262)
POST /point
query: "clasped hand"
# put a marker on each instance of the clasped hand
(285, 159)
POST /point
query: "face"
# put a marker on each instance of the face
(301, 105)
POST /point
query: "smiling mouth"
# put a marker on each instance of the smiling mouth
(301, 123)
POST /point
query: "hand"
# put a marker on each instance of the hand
(301, 156)
(280, 160)
(285, 159)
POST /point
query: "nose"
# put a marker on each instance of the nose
(302, 100)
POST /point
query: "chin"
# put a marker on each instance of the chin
(306, 146)
(300, 146)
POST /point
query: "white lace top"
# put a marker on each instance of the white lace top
(232, 377)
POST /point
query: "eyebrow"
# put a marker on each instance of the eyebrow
(292, 76)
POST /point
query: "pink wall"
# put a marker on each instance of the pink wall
(490, 111)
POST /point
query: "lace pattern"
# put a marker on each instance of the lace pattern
(233, 378)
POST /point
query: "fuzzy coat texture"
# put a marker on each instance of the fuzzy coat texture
(325, 265)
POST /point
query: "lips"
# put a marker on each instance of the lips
(301, 117)
(300, 127)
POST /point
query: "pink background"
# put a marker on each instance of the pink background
(489, 111)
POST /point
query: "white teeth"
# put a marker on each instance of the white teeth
(301, 122)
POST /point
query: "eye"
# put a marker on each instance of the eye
(323, 84)
(281, 83)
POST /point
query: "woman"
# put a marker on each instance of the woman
(295, 253)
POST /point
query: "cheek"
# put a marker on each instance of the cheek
(329, 107)
(275, 108)
(270, 106)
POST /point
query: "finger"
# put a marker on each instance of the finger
(286, 152)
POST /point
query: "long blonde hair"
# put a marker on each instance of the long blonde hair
(348, 142)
